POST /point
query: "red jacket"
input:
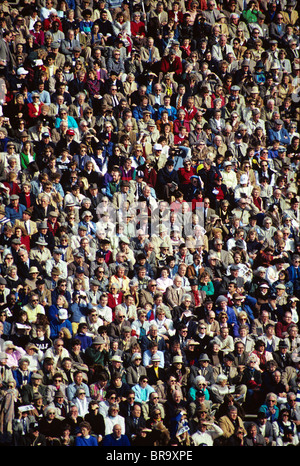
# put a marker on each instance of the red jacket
(137, 28)
(47, 24)
(179, 140)
(112, 302)
(171, 15)
(167, 67)
(14, 188)
(33, 112)
(150, 177)
(189, 113)
(185, 175)
(178, 123)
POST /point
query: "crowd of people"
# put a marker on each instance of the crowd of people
(149, 223)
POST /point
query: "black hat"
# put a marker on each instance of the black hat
(259, 64)
(194, 281)
(234, 267)
(283, 344)
(170, 162)
(239, 243)
(229, 356)
(34, 426)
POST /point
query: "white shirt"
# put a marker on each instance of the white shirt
(207, 437)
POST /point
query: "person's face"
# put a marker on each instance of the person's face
(277, 376)
(59, 345)
(253, 431)
(78, 378)
(233, 415)
(34, 301)
(137, 411)
(177, 398)
(144, 382)
(224, 332)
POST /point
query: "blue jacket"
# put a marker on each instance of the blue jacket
(12, 214)
(172, 112)
(55, 293)
(265, 409)
(86, 442)
(91, 227)
(72, 123)
(86, 341)
(20, 379)
(56, 325)
(142, 394)
(77, 311)
(282, 136)
(231, 315)
(111, 441)
(137, 112)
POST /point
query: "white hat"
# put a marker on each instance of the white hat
(244, 179)
(162, 227)
(155, 357)
(21, 71)
(116, 358)
(63, 313)
(157, 146)
(136, 356)
(177, 359)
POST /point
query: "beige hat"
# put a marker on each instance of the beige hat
(33, 270)
(177, 359)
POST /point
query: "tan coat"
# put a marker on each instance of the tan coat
(228, 428)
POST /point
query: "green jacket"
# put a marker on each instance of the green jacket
(250, 16)
(94, 356)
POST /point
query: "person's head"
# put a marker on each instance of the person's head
(136, 410)
(271, 399)
(177, 396)
(117, 431)
(232, 412)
